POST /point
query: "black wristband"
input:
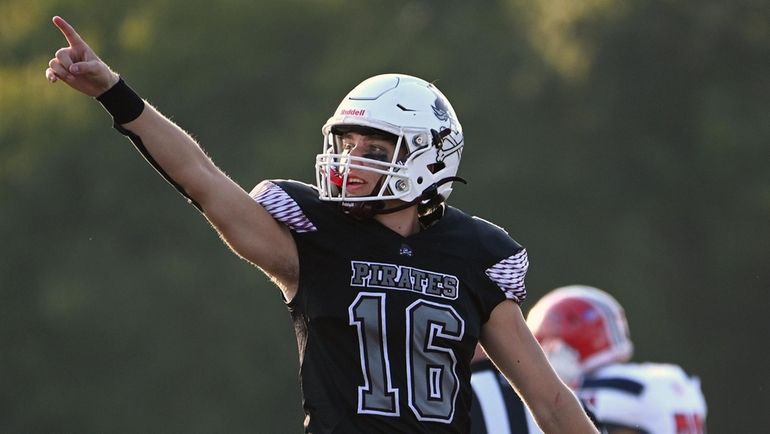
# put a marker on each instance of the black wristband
(121, 102)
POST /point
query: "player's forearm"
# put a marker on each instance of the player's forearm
(168, 148)
(173, 150)
(565, 415)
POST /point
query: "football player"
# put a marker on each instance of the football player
(585, 335)
(388, 287)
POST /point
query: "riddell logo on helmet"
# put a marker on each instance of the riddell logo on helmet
(352, 112)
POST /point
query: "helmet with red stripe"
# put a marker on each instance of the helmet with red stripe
(580, 328)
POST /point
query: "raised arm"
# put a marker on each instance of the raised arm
(245, 226)
(511, 346)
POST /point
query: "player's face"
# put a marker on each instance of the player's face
(375, 148)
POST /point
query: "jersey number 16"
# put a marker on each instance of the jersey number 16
(432, 382)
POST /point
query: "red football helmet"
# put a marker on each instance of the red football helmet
(580, 328)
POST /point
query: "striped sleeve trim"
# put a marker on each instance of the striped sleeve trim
(282, 207)
(509, 275)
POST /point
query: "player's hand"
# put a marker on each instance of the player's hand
(78, 65)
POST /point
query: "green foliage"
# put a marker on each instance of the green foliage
(623, 143)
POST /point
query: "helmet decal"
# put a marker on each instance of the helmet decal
(448, 146)
(440, 110)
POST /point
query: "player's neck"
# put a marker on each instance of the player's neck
(404, 222)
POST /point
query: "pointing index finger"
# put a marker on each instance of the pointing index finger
(68, 31)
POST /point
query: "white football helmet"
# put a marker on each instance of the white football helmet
(589, 321)
(421, 119)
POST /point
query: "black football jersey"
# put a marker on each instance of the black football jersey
(386, 325)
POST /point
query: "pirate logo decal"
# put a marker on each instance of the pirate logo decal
(448, 141)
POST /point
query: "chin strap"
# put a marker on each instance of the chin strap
(427, 194)
(365, 210)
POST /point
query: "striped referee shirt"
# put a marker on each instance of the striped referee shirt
(497, 408)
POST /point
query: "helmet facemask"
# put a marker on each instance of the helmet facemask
(334, 166)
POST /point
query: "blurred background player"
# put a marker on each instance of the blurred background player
(584, 332)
